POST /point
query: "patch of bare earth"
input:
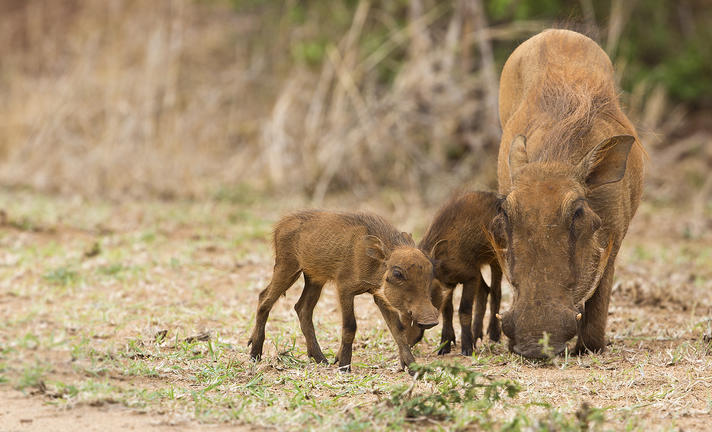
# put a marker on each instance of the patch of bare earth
(21, 413)
(149, 329)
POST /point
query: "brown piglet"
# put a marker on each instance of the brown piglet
(361, 253)
(458, 239)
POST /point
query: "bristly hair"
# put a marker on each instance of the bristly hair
(498, 251)
(573, 23)
(374, 224)
(572, 111)
(459, 206)
(378, 226)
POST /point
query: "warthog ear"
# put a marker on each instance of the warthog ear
(606, 162)
(374, 247)
(517, 155)
(439, 250)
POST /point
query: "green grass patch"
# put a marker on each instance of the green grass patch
(62, 276)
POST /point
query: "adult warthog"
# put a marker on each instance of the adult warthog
(570, 172)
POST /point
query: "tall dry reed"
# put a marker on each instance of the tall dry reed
(177, 98)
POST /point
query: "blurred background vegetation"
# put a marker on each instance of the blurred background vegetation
(231, 99)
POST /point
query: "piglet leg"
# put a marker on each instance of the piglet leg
(305, 311)
(397, 330)
(448, 334)
(348, 331)
(465, 313)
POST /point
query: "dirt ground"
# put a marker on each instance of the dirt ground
(137, 316)
(28, 414)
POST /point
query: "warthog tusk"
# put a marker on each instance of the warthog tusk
(499, 317)
(579, 316)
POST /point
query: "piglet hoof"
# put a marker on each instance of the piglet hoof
(467, 344)
(477, 334)
(406, 360)
(445, 347)
(255, 352)
(410, 370)
(321, 359)
(494, 332)
(344, 362)
(580, 350)
(406, 366)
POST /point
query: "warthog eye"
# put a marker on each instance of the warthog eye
(584, 220)
(398, 273)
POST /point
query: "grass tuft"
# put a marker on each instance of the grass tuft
(62, 276)
(452, 385)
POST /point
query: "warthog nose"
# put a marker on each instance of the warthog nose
(426, 326)
(535, 352)
(517, 349)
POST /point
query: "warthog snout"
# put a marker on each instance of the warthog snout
(535, 351)
(427, 319)
(540, 333)
(416, 324)
(426, 326)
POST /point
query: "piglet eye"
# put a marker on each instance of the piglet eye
(398, 274)
(578, 213)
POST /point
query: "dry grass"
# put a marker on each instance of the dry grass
(148, 305)
(124, 98)
(132, 301)
(179, 98)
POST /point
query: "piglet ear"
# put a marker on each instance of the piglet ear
(439, 250)
(408, 237)
(374, 247)
(606, 163)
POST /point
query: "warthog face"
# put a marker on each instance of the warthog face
(406, 283)
(550, 244)
(414, 332)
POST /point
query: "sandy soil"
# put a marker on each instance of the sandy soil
(656, 373)
(20, 413)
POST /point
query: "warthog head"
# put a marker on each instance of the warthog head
(406, 283)
(549, 244)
